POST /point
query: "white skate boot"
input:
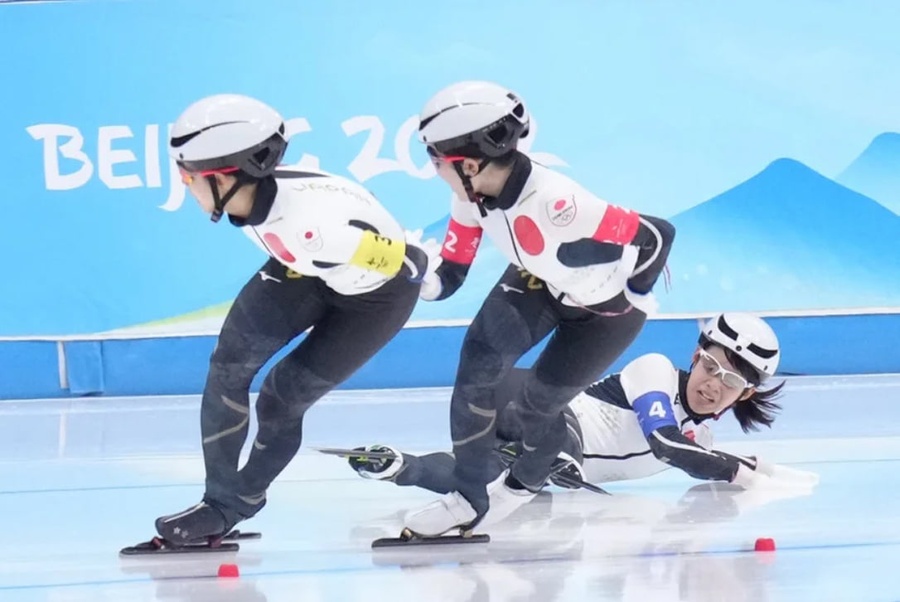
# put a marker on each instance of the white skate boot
(504, 500)
(453, 511)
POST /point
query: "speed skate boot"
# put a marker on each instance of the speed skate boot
(453, 511)
(206, 522)
(506, 495)
(381, 469)
(566, 466)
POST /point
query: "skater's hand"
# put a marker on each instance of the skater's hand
(783, 479)
(786, 475)
(646, 303)
(760, 489)
(416, 261)
(431, 282)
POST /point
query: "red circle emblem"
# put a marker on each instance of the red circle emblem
(528, 235)
(277, 246)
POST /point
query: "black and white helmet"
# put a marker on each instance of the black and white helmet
(474, 119)
(749, 337)
(229, 131)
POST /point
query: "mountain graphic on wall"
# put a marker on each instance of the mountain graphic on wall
(876, 172)
(786, 239)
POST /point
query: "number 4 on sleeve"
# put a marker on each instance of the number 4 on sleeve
(654, 411)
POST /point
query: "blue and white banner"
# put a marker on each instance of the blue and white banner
(764, 130)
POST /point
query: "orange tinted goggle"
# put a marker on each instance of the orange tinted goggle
(437, 158)
(188, 176)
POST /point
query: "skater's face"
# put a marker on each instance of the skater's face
(199, 185)
(715, 384)
(446, 169)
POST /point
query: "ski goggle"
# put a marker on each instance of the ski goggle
(730, 379)
(187, 177)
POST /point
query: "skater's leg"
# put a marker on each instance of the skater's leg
(574, 442)
(435, 471)
(509, 421)
(431, 471)
(577, 354)
(509, 323)
(266, 315)
(351, 332)
(507, 396)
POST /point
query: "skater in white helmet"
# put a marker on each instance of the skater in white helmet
(339, 266)
(581, 271)
(645, 419)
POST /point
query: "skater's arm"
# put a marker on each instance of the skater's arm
(591, 231)
(670, 445)
(450, 276)
(654, 241)
(650, 383)
(457, 253)
(652, 236)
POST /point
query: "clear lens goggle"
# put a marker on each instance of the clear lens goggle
(730, 379)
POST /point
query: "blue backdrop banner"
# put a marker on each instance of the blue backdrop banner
(764, 130)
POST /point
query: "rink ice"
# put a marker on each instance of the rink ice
(83, 478)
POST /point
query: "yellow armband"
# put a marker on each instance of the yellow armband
(379, 254)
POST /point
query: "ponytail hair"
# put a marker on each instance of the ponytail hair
(759, 409)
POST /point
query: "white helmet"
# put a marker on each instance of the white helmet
(473, 118)
(749, 337)
(229, 131)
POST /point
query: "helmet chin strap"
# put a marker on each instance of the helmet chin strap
(467, 185)
(219, 201)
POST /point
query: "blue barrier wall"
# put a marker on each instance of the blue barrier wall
(417, 357)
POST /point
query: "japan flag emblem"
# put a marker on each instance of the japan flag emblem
(311, 240)
(561, 212)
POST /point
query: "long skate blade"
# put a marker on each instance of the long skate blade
(508, 459)
(355, 453)
(400, 542)
(573, 482)
(158, 546)
(237, 535)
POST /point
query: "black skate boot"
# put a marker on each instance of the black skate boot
(206, 527)
(205, 522)
(566, 472)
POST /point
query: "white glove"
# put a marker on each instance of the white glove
(786, 475)
(431, 283)
(760, 489)
(769, 482)
(431, 287)
(647, 303)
